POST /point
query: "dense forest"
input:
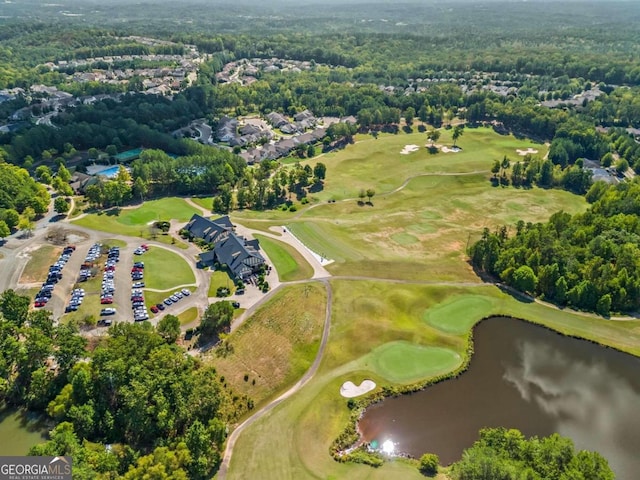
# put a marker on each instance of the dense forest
(162, 412)
(588, 261)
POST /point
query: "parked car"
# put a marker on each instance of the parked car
(39, 304)
(108, 311)
(160, 306)
(168, 301)
(105, 322)
(186, 292)
(235, 304)
(138, 285)
(106, 300)
(139, 264)
(174, 299)
(178, 294)
(154, 309)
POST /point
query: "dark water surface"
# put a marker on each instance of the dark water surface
(526, 377)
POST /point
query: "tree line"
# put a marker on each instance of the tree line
(588, 261)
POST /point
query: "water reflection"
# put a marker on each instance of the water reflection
(523, 377)
(591, 403)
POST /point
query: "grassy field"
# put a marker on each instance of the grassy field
(38, 265)
(188, 316)
(287, 261)
(272, 349)
(426, 211)
(137, 221)
(220, 278)
(165, 270)
(204, 202)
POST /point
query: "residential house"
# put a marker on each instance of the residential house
(227, 129)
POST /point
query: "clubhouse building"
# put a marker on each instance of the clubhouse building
(241, 256)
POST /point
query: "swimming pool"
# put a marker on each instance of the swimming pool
(109, 172)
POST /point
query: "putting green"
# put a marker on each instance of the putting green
(459, 314)
(403, 362)
(404, 238)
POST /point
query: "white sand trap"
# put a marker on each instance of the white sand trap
(350, 390)
(409, 149)
(451, 150)
(528, 151)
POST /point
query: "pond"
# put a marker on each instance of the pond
(526, 377)
(19, 432)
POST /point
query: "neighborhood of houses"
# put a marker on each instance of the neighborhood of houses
(246, 70)
(259, 139)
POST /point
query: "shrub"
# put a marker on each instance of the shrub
(429, 464)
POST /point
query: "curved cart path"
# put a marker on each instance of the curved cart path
(233, 438)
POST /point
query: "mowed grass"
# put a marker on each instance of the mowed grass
(204, 202)
(378, 164)
(136, 221)
(164, 269)
(38, 265)
(274, 347)
(220, 278)
(367, 317)
(402, 362)
(188, 316)
(288, 262)
(458, 314)
(422, 232)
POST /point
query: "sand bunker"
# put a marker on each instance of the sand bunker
(528, 151)
(450, 150)
(350, 390)
(409, 149)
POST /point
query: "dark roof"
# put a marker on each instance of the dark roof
(240, 256)
(211, 231)
(207, 257)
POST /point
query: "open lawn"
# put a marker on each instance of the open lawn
(164, 269)
(188, 316)
(137, 221)
(422, 231)
(221, 278)
(276, 345)
(287, 261)
(38, 265)
(204, 202)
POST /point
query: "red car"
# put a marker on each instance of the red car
(154, 309)
(137, 299)
(144, 246)
(110, 269)
(106, 300)
(39, 304)
(136, 269)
